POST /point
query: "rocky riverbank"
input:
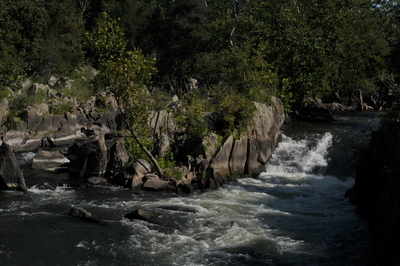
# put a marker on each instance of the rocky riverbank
(89, 144)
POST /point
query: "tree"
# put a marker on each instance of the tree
(124, 73)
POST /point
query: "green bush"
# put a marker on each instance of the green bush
(192, 118)
(232, 112)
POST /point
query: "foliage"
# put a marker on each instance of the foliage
(124, 73)
(232, 111)
(173, 173)
(191, 117)
(168, 164)
(135, 151)
(292, 49)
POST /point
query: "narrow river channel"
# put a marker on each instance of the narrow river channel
(295, 213)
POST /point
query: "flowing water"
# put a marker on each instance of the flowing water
(295, 213)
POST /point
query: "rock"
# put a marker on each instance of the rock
(141, 167)
(106, 121)
(141, 215)
(253, 166)
(178, 208)
(97, 181)
(248, 154)
(51, 161)
(184, 187)
(11, 177)
(20, 142)
(136, 182)
(35, 115)
(219, 166)
(376, 190)
(83, 214)
(238, 157)
(162, 122)
(210, 143)
(155, 184)
(65, 136)
(315, 114)
(118, 157)
(4, 108)
(89, 158)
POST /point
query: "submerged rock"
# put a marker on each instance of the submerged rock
(11, 177)
(83, 214)
(141, 215)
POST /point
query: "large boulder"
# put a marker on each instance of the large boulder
(20, 142)
(11, 177)
(89, 158)
(118, 155)
(376, 191)
(51, 161)
(156, 184)
(220, 163)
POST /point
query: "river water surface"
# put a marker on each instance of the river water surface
(295, 213)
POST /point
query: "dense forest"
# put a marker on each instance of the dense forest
(243, 50)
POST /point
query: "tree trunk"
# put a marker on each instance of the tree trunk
(144, 149)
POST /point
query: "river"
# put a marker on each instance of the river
(295, 213)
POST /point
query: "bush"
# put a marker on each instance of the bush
(192, 118)
(232, 111)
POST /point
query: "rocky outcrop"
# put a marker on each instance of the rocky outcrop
(93, 132)
(248, 154)
(11, 177)
(376, 190)
(39, 127)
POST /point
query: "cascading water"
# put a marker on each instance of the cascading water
(293, 214)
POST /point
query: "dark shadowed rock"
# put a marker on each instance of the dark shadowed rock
(184, 187)
(83, 214)
(376, 191)
(118, 156)
(11, 176)
(315, 114)
(89, 158)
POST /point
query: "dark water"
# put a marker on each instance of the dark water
(293, 214)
